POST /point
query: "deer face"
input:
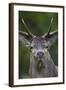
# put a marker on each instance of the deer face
(38, 47)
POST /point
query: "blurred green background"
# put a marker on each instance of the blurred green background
(38, 23)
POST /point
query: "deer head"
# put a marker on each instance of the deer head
(38, 45)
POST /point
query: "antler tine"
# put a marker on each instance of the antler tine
(47, 34)
(27, 29)
(50, 26)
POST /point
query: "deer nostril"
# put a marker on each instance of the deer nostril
(40, 54)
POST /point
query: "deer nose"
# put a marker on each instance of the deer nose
(40, 54)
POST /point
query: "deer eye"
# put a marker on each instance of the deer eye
(31, 47)
(46, 46)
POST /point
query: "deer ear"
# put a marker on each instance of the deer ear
(52, 37)
(24, 38)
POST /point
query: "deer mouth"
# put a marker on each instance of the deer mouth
(38, 59)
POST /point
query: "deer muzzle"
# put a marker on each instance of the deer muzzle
(40, 55)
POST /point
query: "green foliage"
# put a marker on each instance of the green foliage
(38, 23)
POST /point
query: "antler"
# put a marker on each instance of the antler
(47, 34)
(50, 26)
(27, 29)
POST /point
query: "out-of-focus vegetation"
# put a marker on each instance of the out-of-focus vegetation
(38, 23)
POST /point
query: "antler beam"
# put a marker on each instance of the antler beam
(27, 29)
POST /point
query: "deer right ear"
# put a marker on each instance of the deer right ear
(24, 38)
(52, 37)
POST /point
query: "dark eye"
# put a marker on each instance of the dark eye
(46, 47)
(31, 47)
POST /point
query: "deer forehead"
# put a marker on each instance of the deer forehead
(38, 42)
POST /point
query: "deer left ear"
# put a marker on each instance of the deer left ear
(52, 37)
(24, 38)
